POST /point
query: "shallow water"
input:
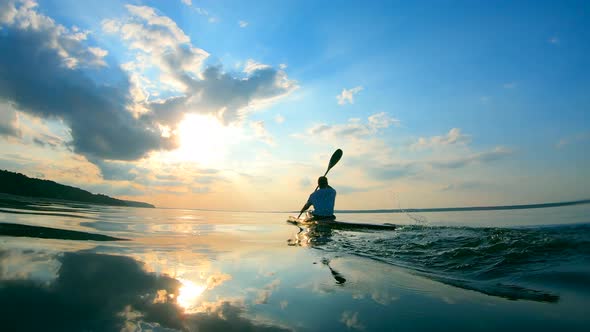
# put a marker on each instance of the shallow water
(215, 271)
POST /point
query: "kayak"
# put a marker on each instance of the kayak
(338, 224)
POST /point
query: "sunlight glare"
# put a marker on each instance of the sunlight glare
(204, 139)
(188, 294)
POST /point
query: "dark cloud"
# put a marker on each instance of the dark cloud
(9, 122)
(222, 94)
(116, 170)
(47, 140)
(37, 78)
(95, 292)
(482, 157)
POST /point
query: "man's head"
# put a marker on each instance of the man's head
(323, 182)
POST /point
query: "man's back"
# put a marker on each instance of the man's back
(323, 201)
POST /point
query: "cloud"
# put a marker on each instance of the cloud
(382, 120)
(279, 119)
(261, 133)
(390, 171)
(224, 96)
(67, 43)
(48, 71)
(347, 96)
(9, 124)
(33, 47)
(351, 320)
(482, 157)
(354, 128)
(48, 140)
(160, 44)
(217, 279)
(187, 2)
(242, 24)
(553, 40)
(112, 170)
(454, 136)
(161, 47)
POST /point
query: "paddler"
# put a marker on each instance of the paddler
(322, 200)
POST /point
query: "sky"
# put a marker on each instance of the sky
(237, 105)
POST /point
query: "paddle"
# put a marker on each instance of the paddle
(333, 161)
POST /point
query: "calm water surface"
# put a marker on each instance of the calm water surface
(189, 270)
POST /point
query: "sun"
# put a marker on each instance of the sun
(189, 294)
(205, 140)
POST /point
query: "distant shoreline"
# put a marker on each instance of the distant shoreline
(21, 185)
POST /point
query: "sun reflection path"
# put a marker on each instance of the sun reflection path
(188, 294)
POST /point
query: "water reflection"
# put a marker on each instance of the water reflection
(205, 271)
(107, 293)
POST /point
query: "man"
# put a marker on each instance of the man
(322, 201)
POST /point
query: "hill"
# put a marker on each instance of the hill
(22, 185)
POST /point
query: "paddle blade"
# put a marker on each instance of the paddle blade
(335, 159)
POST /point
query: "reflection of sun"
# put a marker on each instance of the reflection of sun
(204, 139)
(189, 293)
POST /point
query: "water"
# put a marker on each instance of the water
(215, 271)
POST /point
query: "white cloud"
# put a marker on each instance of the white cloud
(347, 96)
(355, 128)
(252, 66)
(67, 43)
(242, 24)
(261, 133)
(554, 40)
(279, 119)
(96, 114)
(454, 136)
(187, 2)
(161, 46)
(382, 120)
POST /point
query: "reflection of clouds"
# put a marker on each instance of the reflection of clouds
(28, 264)
(284, 304)
(112, 293)
(351, 320)
(265, 293)
(383, 298)
(217, 279)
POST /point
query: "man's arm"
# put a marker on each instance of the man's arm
(305, 207)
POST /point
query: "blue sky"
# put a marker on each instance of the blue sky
(182, 103)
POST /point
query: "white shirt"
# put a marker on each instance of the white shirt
(323, 201)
